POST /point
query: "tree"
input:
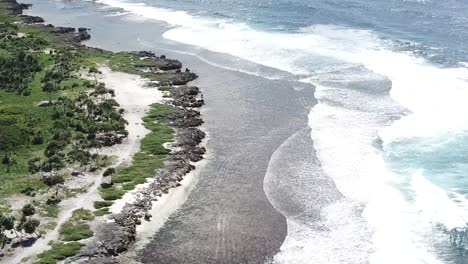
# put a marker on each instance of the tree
(94, 71)
(11, 138)
(9, 160)
(31, 225)
(55, 162)
(49, 88)
(38, 139)
(54, 180)
(34, 165)
(28, 210)
(79, 155)
(6, 223)
(53, 148)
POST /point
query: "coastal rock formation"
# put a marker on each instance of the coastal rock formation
(32, 19)
(81, 36)
(161, 63)
(62, 30)
(15, 7)
(115, 237)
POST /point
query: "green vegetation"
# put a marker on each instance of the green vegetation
(101, 212)
(76, 228)
(50, 119)
(26, 225)
(120, 61)
(59, 251)
(47, 119)
(102, 204)
(75, 231)
(149, 159)
(49, 210)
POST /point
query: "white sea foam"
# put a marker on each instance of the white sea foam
(347, 121)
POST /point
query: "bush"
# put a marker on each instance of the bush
(26, 92)
(28, 210)
(31, 226)
(34, 165)
(53, 180)
(38, 139)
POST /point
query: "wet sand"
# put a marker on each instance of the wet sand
(227, 217)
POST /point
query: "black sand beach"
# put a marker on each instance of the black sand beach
(227, 218)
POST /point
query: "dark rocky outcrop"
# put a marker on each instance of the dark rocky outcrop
(160, 63)
(14, 7)
(62, 30)
(31, 19)
(81, 36)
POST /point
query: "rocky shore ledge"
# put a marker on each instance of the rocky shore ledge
(65, 35)
(116, 233)
(116, 236)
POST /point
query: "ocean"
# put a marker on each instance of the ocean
(389, 129)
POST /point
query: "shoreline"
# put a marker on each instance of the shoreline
(228, 203)
(179, 164)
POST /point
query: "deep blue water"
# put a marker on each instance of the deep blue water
(441, 27)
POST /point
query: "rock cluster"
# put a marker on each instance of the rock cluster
(115, 237)
(62, 30)
(31, 19)
(167, 71)
(160, 63)
(16, 8)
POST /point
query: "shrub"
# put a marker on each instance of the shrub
(28, 210)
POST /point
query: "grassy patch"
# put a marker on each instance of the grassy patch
(75, 231)
(76, 227)
(150, 158)
(59, 251)
(82, 215)
(111, 194)
(102, 204)
(46, 227)
(50, 210)
(101, 212)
